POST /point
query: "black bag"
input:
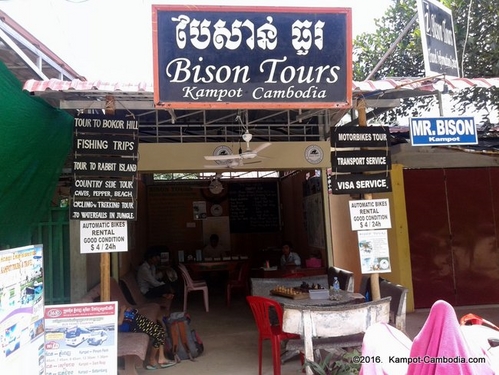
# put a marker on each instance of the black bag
(182, 342)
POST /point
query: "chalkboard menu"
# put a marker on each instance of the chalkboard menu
(254, 207)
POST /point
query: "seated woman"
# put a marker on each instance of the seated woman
(130, 320)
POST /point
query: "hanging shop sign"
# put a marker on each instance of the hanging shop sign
(251, 57)
(370, 214)
(104, 168)
(103, 188)
(443, 131)
(360, 136)
(438, 39)
(115, 167)
(361, 160)
(105, 144)
(359, 183)
(96, 209)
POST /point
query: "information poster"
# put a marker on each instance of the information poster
(21, 310)
(81, 338)
(374, 251)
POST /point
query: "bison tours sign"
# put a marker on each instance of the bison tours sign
(258, 57)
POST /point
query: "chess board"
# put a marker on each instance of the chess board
(292, 293)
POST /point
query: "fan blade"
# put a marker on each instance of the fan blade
(263, 146)
(216, 166)
(222, 157)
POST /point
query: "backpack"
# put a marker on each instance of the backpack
(182, 341)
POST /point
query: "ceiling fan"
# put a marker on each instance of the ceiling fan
(237, 160)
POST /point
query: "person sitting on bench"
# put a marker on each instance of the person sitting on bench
(149, 280)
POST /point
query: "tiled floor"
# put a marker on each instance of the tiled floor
(230, 337)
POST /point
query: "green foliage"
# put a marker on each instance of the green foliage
(342, 366)
(476, 27)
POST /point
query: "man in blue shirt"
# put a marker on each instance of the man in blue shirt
(289, 257)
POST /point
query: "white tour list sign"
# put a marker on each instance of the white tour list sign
(370, 214)
(103, 236)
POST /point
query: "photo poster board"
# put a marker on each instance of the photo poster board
(81, 336)
(21, 310)
(218, 225)
(374, 251)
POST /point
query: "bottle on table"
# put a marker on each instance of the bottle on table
(336, 285)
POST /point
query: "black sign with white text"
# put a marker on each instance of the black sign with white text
(105, 144)
(105, 124)
(114, 167)
(104, 168)
(96, 209)
(103, 188)
(361, 160)
(360, 136)
(361, 183)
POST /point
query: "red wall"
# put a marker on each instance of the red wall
(453, 218)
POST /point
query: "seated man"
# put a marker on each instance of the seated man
(149, 280)
(214, 249)
(289, 257)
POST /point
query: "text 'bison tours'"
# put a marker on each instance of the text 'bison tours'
(261, 57)
(105, 180)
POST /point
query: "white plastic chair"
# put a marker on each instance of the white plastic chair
(193, 285)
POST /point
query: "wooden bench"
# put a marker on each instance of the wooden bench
(129, 283)
(398, 305)
(132, 346)
(333, 326)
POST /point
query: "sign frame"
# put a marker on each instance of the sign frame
(268, 44)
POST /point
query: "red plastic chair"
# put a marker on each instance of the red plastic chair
(239, 283)
(260, 306)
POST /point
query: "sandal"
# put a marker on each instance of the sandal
(167, 364)
(151, 367)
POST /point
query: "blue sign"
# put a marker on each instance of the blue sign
(443, 131)
(252, 57)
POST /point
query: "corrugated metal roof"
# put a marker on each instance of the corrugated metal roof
(429, 84)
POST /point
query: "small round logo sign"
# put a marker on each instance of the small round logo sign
(222, 150)
(314, 154)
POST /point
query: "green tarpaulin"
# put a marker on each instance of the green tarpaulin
(35, 140)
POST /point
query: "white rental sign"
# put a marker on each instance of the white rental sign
(370, 214)
(106, 236)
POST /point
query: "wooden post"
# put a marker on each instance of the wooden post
(105, 258)
(361, 109)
